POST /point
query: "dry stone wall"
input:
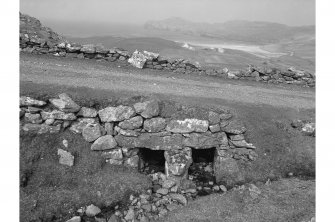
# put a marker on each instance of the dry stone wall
(34, 44)
(119, 132)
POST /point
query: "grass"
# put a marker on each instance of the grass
(286, 200)
(51, 192)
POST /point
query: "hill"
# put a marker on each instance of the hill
(33, 28)
(131, 44)
(237, 30)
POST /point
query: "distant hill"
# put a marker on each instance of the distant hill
(33, 27)
(238, 30)
(131, 44)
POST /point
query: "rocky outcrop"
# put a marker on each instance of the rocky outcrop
(119, 133)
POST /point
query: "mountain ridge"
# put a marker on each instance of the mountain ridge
(238, 30)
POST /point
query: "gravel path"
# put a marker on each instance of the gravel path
(103, 75)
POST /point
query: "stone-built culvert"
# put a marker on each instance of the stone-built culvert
(120, 133)
(143, 142)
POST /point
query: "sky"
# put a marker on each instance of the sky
(290, 12)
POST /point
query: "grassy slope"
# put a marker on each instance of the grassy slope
(50, 191)
(232, 59)
(287, 200)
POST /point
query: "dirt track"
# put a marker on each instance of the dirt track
(42, 69)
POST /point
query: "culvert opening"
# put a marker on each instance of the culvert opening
(152, 160)
(201, 171)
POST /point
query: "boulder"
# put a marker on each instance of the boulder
(56, 114)
(138, 59)
(65, 104)
(215, 128)
(112, 114)
(104, 143)
(87, 112)
(73, 48)
(41, 128)
(66, 158)
(28, 101)
(133, 123)
(147, 109)
(154, 125)
(187, 126)
(177, 162)
(91, 132)
(226, 171)
(33, 118)
(80, 123)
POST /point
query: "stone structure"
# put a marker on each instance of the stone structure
(119, 133)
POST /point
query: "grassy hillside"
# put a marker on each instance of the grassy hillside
(238, 30)
(33, 27)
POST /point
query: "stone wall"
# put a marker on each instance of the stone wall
(33, 44)
(119, 132)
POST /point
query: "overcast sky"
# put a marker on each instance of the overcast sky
(290, 12)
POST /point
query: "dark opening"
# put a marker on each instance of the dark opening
(152, 161)
(203, 155)
(201, 171)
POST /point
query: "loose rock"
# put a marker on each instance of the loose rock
(179, 198)
(92, 210)
(66, 158)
